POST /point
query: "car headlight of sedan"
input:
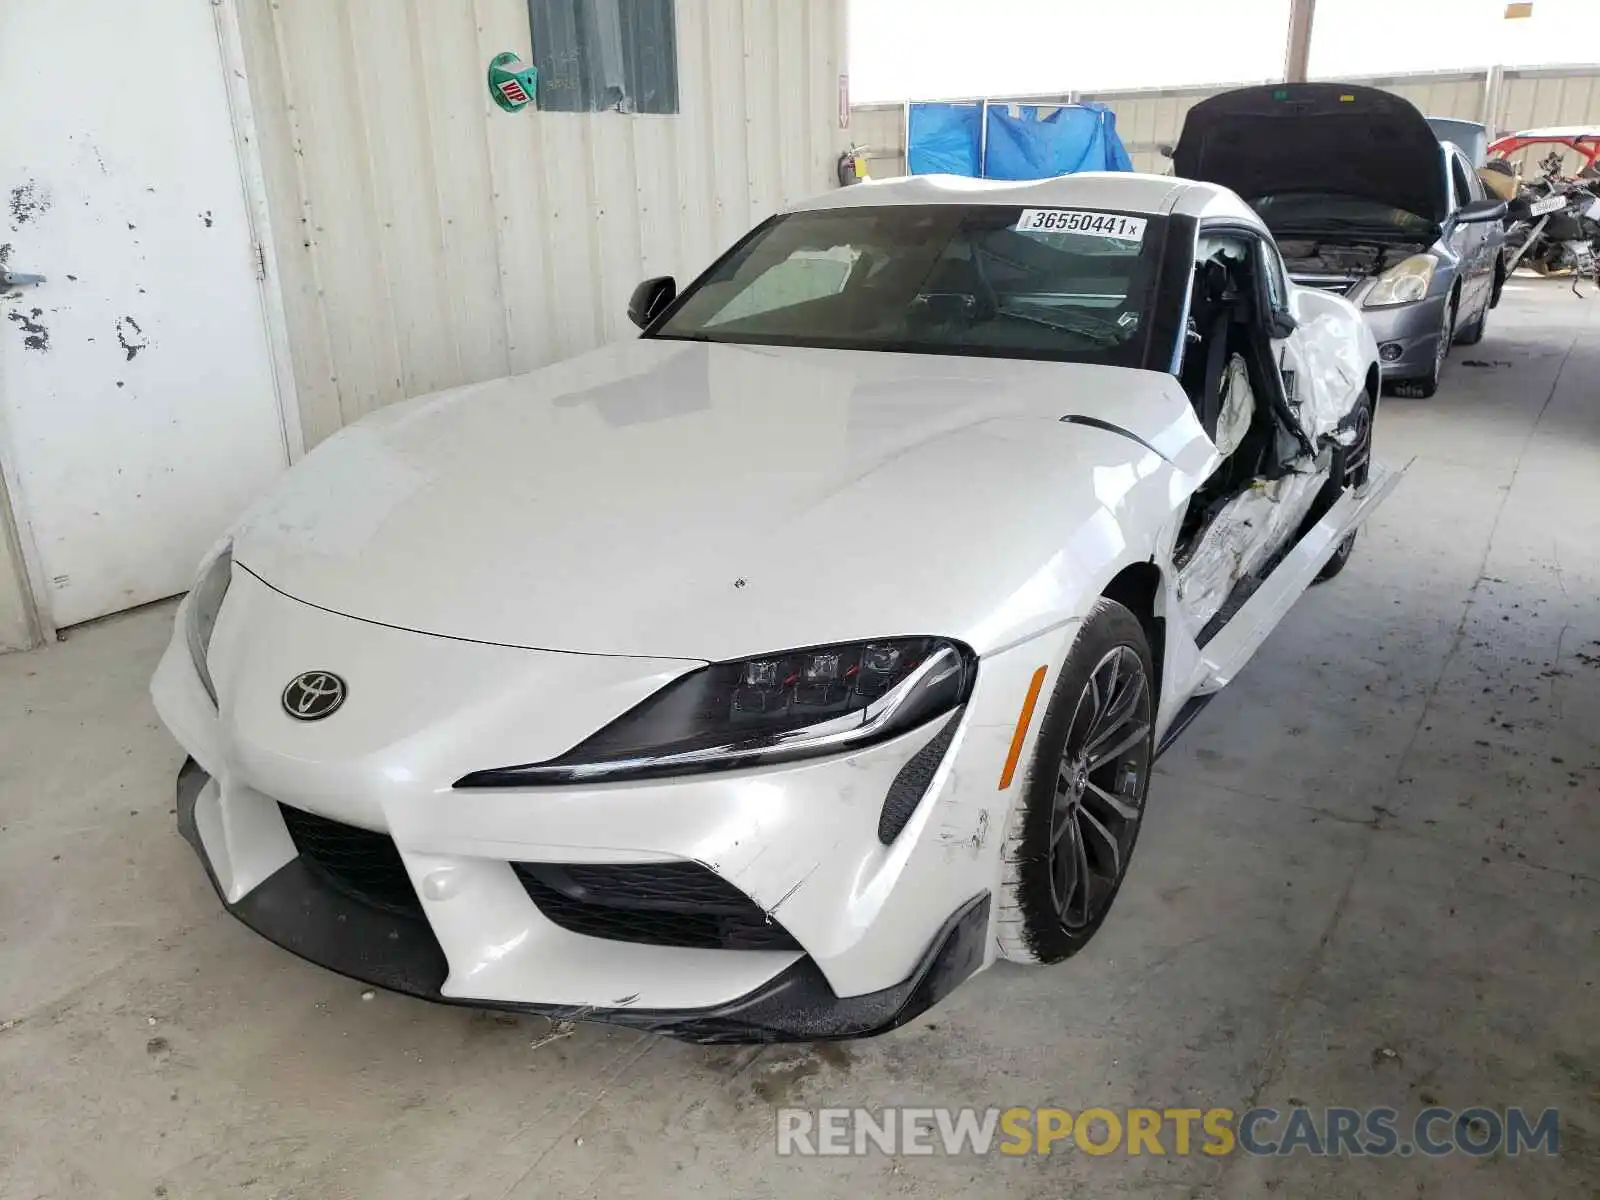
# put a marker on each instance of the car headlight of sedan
(778, 707)
(205, 602)
(1404, 283)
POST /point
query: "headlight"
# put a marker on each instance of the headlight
(795, 704)
(1404, 283)
(205, 602)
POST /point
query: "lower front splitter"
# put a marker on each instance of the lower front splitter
(298, 909)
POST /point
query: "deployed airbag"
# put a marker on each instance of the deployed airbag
(1237, 406)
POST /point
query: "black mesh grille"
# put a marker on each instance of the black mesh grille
(659, 904)
(362, 864)
(911, 784)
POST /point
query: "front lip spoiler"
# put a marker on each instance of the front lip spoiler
(298, 909)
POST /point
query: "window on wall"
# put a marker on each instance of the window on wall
(603, 55)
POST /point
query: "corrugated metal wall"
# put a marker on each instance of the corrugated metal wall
(1150, 116)
(1536, 98)
(427, 239)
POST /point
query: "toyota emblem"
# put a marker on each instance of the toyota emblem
(313, 695)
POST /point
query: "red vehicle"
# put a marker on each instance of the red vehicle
(1583, 140)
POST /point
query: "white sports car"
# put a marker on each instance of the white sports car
(762, 678)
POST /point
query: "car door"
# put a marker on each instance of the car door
(1467, 239)
(1304, 364)
(1488, 237)
(1301, 368)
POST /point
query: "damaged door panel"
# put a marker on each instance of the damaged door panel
(1227, 653)
(1274, 400)
(1240, 541)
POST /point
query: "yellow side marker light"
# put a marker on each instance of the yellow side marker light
(1024, 719)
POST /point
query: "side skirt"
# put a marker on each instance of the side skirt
(1191, 709)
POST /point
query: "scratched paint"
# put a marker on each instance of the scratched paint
(34, 334)
(27, 203)
(131, 337)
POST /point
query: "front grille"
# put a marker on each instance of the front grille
(363, 865)
(658, 904)
(1342, 284)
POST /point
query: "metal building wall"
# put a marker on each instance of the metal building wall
(1531, 99)
(881, 128)
(426, 239)
(1147, 117)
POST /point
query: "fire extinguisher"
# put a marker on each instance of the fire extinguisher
(853, 166)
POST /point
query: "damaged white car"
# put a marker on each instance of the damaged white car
(764, 677)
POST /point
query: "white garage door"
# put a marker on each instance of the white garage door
(136, 395)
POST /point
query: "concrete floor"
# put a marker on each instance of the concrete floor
(1370, 875)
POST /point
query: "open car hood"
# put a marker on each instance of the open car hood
(1316, 137)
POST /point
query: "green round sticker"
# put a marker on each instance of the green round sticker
(512, 82)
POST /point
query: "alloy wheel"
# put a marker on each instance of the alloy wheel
(1447, 335)
(1099, 793)
(1357, 465)
(1359, 458)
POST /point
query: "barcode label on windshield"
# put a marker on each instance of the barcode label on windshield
(1077, 220)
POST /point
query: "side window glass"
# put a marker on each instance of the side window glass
(1461, 176)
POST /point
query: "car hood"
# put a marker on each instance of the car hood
(1337, 138)
(688, 500)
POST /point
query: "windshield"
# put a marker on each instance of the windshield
(939, 279)
(1321, 212)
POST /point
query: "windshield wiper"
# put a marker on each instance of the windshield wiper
(1103, 333)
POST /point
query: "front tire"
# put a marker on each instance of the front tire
(1473, 333)
(1357, 466)
(1427, 385)
(1072, 828)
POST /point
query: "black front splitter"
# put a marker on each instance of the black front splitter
(298, 909)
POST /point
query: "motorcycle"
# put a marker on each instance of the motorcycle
(1553, 225)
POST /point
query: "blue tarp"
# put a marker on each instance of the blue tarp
(1079, 138)
(945, 138)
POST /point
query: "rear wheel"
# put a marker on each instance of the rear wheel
(1071, 832)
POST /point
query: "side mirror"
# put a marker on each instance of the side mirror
(1481, 210)
(1281, 323)
(650, 299)
(1166, 149)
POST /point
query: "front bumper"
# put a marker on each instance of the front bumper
(298, 909)
(1413, 331)
(877, 931)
